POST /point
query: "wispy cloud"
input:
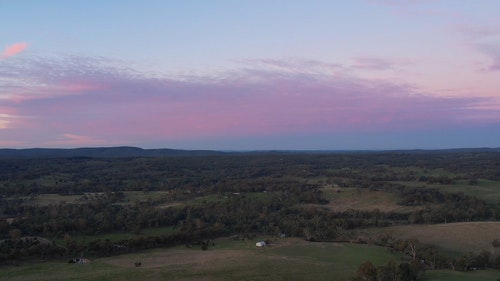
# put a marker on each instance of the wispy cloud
(484, 39)
(399, 3)
(4, 121)
(493, 51)
(7, 114)
(13, 50)
(100, 102)
(478, 32)
(290, 65)
(376, 63)
(418, 9)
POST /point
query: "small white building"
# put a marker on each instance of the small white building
(260, 244)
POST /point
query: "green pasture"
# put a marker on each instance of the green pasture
(452, 238)
(448, 275)
(285, 259)
(55, 199)
(342, 199)
(215, 198)
(486, 190)
(61, 270)
(52, 199)
(144, 196)
(134, 196)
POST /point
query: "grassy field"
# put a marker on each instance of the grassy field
(448, 275)
(454, 238)
(486, 190)
(287, 259)
(132, 196)
(342, 199)
(54, 199)
(214, 198)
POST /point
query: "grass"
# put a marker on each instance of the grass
(214, 198)
(486, 190)
(342, 199)
(54, 199)
(58, 271)
(288, 259)
(453, 238)
(448, 275)
(144, 196)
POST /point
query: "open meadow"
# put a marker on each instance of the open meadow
(453, 238)
(284, 259)
(363, 199)
(448, 275)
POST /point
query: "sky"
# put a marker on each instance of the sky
(250, 74)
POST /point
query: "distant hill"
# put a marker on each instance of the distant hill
(129, 151)
(101, 152)
(451, 150)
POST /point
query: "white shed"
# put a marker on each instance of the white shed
(260, 244)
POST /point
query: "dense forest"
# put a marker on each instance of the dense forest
(201, 197)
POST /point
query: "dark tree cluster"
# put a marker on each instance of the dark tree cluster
(16, 249)
(405, 271)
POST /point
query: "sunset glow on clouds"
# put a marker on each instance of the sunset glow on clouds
(13, 50)
(347, 96)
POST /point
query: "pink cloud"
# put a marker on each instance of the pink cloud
(51, 91)
(7, 116)
(13, 50)
(3, 122)
(485, 40)
(43, 78)
(268, 107)
(114, 106)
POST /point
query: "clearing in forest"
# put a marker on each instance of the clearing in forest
(451, 237)
(363, 199)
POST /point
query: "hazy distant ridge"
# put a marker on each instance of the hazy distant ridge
(123, 151)
(128, 151)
